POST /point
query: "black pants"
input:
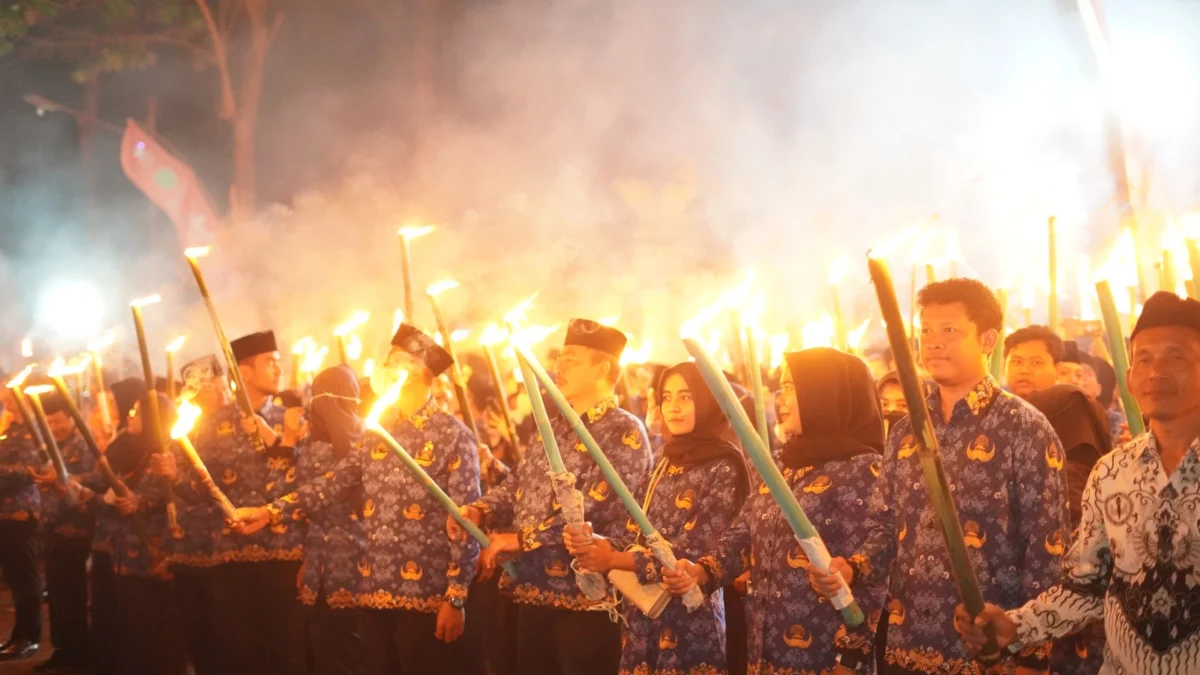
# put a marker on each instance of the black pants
(19, 552)
(735, 631)
(106, 632)
(67, 584)
(334, 639)
(260, 621)
(195, 589)
(562, 642)
(502, 630)
(148, 627)
(404, 642)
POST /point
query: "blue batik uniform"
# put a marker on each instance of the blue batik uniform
(790, 628)
(20, 499)
(60, 516)
(526, 502)
(1004, 464)
(691, 507)
(336, 544)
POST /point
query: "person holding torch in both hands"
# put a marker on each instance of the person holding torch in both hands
(413, 580)
(1004, 465)
(695, 492)
(20, 509)
(829, 412)
(559, 630)
(1133, 564)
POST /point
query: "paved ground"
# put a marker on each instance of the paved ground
(6, 623)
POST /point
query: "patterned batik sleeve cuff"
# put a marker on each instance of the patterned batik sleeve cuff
(853, 647)
(861, 566)
(645, 565)
(485, 513)
(714, 570)
(276, 513)
(456, 592)
(1035, 656)
(527, 538)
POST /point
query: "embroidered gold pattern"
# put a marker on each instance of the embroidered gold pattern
(973, 535)
(982, 449)
(797, 637)
(819, 485)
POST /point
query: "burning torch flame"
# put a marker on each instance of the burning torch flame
(779, 345)
(38, 390)
(26, 348)
(438, 287)
(19, 379)
(368, 367)
(187, 414)
(691, 327)
(609, 320)
(196, 252)
(639, 355)
(492, 334)
(397, 319)
(59, 367)
(175, 344)
(313, 357)
(1120, 268)
(303, 345)
(354, 348)
(838, 270)
(526, 336)
(148, 300)
(411, 232)
(359, 318)
(387, 400)
(459, 335)
(855, 337)
(104, 342)
(1086, 313)
(819, 333)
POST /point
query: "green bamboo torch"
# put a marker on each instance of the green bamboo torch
(996, 358)
(1120, 356)
(1193, 249)
(1053, 264)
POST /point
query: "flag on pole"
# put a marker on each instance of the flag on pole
(171, 184)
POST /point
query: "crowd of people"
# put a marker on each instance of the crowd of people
(339, 558)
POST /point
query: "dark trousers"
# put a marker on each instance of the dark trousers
(502, 630)
(404, 642)
(261, 623)
(334, 639)
(19, 552)
(195, 589)
(67, 585)
(106, 632)
(735, 631)
(562, 642)
(148, 627)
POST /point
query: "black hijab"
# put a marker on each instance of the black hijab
(840, 414)
(129, 453)
(710, 439)
(1107, 377)
(335, 400)
(1078, 419)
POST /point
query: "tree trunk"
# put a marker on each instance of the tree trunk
(245, 120)
(87, 153)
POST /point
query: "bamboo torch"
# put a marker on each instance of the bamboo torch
(60, 467)
(1120, 356)
(407, 234)
(1053, 266)
(491, 335)
(1193, 249)
(100, 393)
(14, 385)
(88, 439)
(243, 397)
(456, 375)
(173, 347)
(298, 351)
(152, 423)
(341, 332)
(927, 449)
(996, 358)
(188, 414)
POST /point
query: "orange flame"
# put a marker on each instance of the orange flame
(196, 252)
(492, 334)
(60, 368)
(778, 344)
(354, 348)
(303, 345)
(148, 300)
(26, 348)
(387, 400)
(19, 379)
(459, 335)
(691, 327)
(397, 319)
(104, 342)
(818, 333)
(313, 357)
(438, 287)
(368, 367)
(411, 232)
(639, 355)
(175, 344)
(855, 337)
(38, 390)
(839, 270)
(359, 318)
(187, 414)
(609, 320)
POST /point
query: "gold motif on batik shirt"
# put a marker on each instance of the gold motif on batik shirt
(981, 396)
(368, 508)
(631, 526)
(903, 532)
(674, 470)
(270, 486)
(632, 439)
(691, 524)
(923, 659)
(555, 505)
(597, 411)
(230, 477)
(895, 613)
(411, 571)
(456, 462)
(908, 446)
(1054, 458)
(667, 640)
(981, 449)
(599, 491)
(556, 568)
(546, 524)
(290, 476)
(973, 535)
(526, 536)
(763, 489)
(797, 637)
(298, 515)
(520, 493)
(279, 528)
(685, 499)
(873, 619)
(819, 485)
(379, 452)
(225, 429)
(278, 429)
(413, 512)
(1054, 543)
(1080, 648)
(425, 455)
(797, 558)
(453, 570)
(875, 468)
(580, 447)
(364, 568)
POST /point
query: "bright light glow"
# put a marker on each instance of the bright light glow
(368, 367)
(187, 414)
(691, 327)
(459, 335)
(104, 342)
(354, 348)
(303, 345)
(779, 344)
(854, 338)
(313, 358)
(196, 252)
(359, 318)
(397, 319)
(492, 334)
(27, 348)
(639, 355)
(609, 320)
(148, 300)
(175, 344)
(1086, 289)
(38, 390)
(19, 379)
(838, 270)
(59, 367)
(438, 287)
(818, 333)
(72, 309)
(387, 400)
(410, 232)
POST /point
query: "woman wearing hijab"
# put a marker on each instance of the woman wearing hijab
(335, 544)
(692, 497)
(829, 408)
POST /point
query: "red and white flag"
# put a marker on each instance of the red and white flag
(171, 184)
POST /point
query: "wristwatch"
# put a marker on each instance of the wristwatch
(456, 602)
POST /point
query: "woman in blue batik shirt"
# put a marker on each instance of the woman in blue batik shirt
(693, 495)
(829, 409)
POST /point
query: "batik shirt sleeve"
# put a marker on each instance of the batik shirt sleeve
(730, 558)
(497, 505)
(321, 492)
(20, 499)
(462, 485)
(871, 562)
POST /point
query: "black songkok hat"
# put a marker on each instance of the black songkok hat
(595, 335)
(249, 346)
(423, 348)
(1167, 309)
(1071, 352)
